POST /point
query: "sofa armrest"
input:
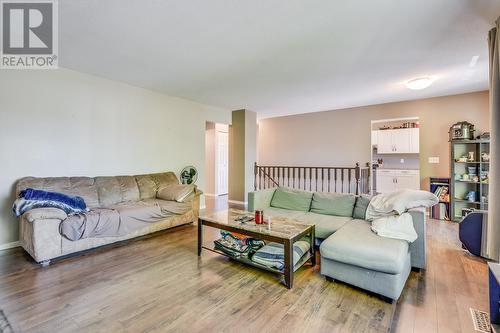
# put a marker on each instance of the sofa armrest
(418, 249)
(45, 214)
(195, 204)
(260, 200)
(40, 238)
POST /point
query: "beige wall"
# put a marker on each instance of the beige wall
(342, 137)
(65, 123)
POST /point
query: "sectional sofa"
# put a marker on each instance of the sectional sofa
(350, 251)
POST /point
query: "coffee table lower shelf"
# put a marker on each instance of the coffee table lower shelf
(248, 261)
(285, 232)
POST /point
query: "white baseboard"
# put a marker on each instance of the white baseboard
(9, 245)
(238, 202)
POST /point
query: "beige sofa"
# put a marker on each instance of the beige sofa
(39, 228)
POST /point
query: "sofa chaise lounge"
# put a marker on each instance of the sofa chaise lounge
(126, 197)
(350, 251)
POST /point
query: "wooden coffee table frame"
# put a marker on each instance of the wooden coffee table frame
(287, 243)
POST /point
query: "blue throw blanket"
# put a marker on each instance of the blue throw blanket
(31, 199)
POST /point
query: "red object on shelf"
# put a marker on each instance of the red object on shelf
(259, 216)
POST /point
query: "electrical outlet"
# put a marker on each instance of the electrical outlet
(434, 160)
(402, 161)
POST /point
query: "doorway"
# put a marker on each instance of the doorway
(222, 160)
(395, 151)
(216, 159)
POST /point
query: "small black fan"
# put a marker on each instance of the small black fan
(189, 175)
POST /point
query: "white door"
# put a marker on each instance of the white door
(401, 140)
(221, 163)
(384, 142)
(407, 180)
(385, 181)
(414, 140)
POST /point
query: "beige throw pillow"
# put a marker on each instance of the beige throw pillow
(178, 193)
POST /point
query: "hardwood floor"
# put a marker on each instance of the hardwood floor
(158, 284)
(438, 299)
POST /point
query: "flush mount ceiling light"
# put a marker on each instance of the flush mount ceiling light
(419, 83)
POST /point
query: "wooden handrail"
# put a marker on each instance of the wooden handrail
(314, 178)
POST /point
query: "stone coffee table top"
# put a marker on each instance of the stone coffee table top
(280, 227)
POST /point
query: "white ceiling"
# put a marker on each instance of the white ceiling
(281, 57)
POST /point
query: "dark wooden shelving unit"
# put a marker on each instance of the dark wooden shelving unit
(435, 184)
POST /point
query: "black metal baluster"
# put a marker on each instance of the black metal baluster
(349, 180)
(322, 179)
(342, 181)
(328, 170)
(335, 176)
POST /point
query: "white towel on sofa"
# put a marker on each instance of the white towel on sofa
(395, 226)
(388, 212)
(398, 202)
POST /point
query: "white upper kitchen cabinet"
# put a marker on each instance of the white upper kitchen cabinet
(385, 142)
(401, 141)
(414, 140)
(398, 141)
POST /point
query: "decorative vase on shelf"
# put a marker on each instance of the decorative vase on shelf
(471, 196)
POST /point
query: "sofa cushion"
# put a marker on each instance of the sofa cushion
(287, 198)
(120, 219)
(173, 207)
(147, 187)
(108, 190)
(360, 207)
(177, 192)
(149, 184)
(99, 222)
(78, 186)
(337, 204)
(325, 225)
(280, 212)
(357, 245)
(115, 189)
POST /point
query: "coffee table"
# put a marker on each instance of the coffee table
(281, 230)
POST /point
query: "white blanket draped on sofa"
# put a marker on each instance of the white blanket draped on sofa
(388, 212)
